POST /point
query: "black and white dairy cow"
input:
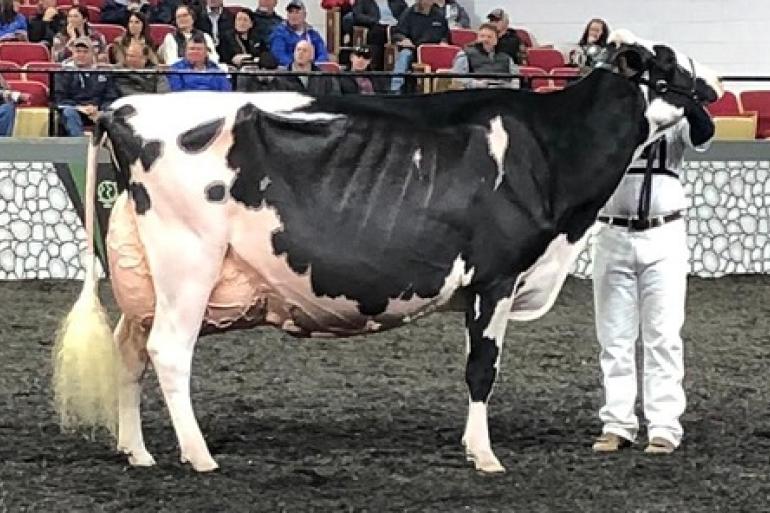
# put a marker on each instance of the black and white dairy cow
(342, 216)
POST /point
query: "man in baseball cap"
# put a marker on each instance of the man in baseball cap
(507, 40)
(285, 36)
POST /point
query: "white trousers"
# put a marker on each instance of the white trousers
(640, 280)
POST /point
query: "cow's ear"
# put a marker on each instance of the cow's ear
(665, 58)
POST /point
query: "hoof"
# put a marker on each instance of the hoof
(202, 464)
(489, 465)
(138, 458)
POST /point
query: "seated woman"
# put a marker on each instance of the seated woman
(48, 22)
(378, 16)
(13, 26)
(592, 42)
(172, 48)
(136, 31)
(242, 46)
(77, 26)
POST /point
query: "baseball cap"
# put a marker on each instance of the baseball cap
(295, 4)
(82, 41)
(496, 15)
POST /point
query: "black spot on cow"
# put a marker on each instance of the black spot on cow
(150, 153)
(140, 196)
(126, 111)
(199, 138)
(215, 192)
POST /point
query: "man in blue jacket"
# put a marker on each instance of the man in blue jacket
(81, 95)
(286, 35)
(195, 61)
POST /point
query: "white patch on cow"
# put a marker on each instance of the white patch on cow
(264, 183)
(495, 330)
(417, 158)
(476, 439)
(456, 278)
(477, 308)
(660, 113)
(373, 325)
(498, 145)
(543, 281)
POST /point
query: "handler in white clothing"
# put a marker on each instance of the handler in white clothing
(640, 281)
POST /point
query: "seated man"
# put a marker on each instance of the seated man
(507, 40)
(8, 101)
(482, 57)
(313, 84)
(362, 83)
(421, 23)
(80, 96)
(138, 58)
(285, 36)
(379, 16)
(196, 59)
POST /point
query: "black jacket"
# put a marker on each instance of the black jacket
(349, 85)
(87, 87)
(509, 43)
(39, 31)
(264, 24)
(366, 13)
(231, 45)
(422, 28)
(316, 85)
(225, 23)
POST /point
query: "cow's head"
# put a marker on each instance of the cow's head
(670, 80)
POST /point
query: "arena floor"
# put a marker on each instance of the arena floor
(375, 424)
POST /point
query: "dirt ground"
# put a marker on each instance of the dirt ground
(374, 424)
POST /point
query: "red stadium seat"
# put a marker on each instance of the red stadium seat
(110, 32)
(525, 37)
(28, 11)
(530, 71)
(563, 72)
(22, 53)
(37, 91)
(546, 58)
(14, 70)
(462, 37)
(758, 101)
(437, 56)
(35, 71)
(727, 105)
(329, 67)
(158, 31)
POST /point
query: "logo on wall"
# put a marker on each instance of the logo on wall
(106, 193)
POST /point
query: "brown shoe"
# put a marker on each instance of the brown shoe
(610, 442)
(659, 445)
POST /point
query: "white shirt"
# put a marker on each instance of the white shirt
(667, 192)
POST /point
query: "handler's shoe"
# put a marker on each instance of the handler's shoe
(610, 442)
(659, 445)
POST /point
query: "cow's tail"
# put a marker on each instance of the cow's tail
(85, 358)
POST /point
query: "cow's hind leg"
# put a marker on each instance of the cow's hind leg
(486, 317)
(131, 341)
(189, 270)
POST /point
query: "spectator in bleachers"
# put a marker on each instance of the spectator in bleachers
(8, 101)
(265, 20)
(303, 60)
(77, 26)
(507, 40)
(46, 23)
(378, 16)
(173, 48)
(196, 59)
(591, 43)
(137, 58)
(241, 45)
(116, 12)
(421, 23)
(13, 26)
(456, 15)
(362, 83)
(285, 36)
(82, 95)
(137, 31)
(215, 20)
(482, 57)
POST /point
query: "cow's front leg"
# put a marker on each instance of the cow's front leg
(486, 317)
